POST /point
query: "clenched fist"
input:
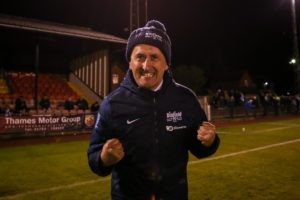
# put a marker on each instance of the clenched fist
(206, 133)
(112, 152)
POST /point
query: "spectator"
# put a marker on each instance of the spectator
(264, 100)
(45, 103)
(231, 105)
(7, 111)
(69, 104)
(255, 105)
(82, 104)
(276, 103)
(20, 105)
(95, 107)
(248, 105)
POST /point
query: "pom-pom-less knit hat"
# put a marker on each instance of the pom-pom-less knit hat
(153, 33)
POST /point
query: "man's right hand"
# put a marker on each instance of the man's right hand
(112, 152)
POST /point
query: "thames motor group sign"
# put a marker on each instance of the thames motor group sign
(45, 123)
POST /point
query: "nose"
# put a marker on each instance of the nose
(146, 64)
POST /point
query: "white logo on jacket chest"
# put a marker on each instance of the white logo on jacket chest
(174, 128)
(132, 121)
(174, 116)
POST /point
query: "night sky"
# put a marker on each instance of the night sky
(217, 35)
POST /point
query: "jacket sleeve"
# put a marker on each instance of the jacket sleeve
(195, 146)
(98, 138)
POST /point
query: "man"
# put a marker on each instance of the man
(146, 127)
(45, 102)
(20, 106)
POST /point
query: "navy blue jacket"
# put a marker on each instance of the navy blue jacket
(156, 129)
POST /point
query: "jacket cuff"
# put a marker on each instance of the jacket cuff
(97, 165)
(215, 144)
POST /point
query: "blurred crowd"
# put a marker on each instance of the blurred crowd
(233, 101)
(263, 103)
(69, 106)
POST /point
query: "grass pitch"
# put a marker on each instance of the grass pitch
(255, 161)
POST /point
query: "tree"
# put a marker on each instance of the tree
(190, 76)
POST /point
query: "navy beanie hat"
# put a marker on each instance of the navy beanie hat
(154, 34)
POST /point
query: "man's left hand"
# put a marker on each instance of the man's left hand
(206, 133)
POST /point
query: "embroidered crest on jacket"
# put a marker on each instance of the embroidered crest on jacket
(174, 116)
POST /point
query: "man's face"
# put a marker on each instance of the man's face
(148, 66)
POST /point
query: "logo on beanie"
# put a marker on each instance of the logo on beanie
(153, 36)
(153, 33)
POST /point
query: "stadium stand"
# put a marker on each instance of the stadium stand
(52, 86)
(3, 87)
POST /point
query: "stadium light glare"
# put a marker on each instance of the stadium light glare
(292, 61)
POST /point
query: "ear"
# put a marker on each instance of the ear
(130, 65)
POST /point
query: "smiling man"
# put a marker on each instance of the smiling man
(147, 126)
(148, 66)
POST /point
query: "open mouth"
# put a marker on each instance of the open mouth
(148, 74)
